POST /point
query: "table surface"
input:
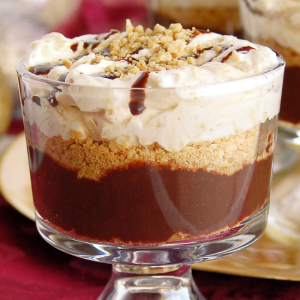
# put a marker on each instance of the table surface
(32, 269)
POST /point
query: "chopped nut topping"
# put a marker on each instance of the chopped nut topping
(67, 63)
(168, 49)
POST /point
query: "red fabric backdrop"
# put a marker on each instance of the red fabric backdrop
(97, 16)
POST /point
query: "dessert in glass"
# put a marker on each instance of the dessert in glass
(276, 24)
(150, 149)
(216, 15)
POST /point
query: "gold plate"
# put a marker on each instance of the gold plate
(14, 177)
(267, 258)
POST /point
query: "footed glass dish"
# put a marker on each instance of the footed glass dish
(147, 208)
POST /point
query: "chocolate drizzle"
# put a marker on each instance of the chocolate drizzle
(110, 76)
(91, 43)
(112, 32)
(74, 47)
(128, 59)
(41, 69)
(52, 100)
(36, 100)
(199, 52)
(95, 45)
(197, 32)
(244, 50)
(137, 95)
(137, 50)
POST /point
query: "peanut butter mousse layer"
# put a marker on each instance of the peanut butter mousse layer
(146, 137)
(276, 24)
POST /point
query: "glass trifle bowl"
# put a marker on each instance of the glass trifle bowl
(146, 163)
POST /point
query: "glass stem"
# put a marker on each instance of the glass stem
(132, 282)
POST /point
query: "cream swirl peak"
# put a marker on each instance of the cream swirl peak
(156, 86)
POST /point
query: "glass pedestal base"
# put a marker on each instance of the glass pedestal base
(155, 283)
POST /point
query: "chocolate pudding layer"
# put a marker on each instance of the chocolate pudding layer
(146, 195)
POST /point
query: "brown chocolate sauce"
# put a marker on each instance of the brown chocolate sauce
(112, 32)
(52, 100)
(244, 50)
(290, 102)
(95, 45)
(41, 70)
(137, 50)
(199, 52)
(146, 204)
(74, 47)
(36, 100)
(111, 77)
(128, 59)
(91, 43)
(197, 32)
(137, 97)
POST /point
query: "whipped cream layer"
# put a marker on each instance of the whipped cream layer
(275, 19)
(197, 86)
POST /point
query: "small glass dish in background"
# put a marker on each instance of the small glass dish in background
(216, 15)
(276, 24)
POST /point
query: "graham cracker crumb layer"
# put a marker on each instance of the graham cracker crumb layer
(92, 160)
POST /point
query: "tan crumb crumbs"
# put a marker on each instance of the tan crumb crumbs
(169, 48)
(91, 159)
(67, 63)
